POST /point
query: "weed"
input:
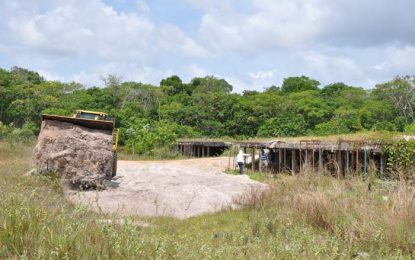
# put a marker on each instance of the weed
(302, 216)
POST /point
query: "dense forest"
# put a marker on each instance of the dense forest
(153, 116)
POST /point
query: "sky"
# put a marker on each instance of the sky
(253, 44)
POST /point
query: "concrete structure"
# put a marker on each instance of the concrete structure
(202, 148)
(340, 158)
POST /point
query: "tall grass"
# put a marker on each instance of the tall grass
(302, 216)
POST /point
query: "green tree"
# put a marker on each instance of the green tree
(283, 126)
(298, 84)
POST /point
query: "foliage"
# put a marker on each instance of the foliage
(17, 135)
(298, 84)
(283, 126)
(207, 107)
(401, 158)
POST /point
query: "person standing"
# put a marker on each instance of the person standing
(263, 161)
(241, 161)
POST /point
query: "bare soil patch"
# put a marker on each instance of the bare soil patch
(179, 188)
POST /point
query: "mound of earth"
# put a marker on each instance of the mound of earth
(179, 188)
(80, 155)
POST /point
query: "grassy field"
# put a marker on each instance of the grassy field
(301, 217)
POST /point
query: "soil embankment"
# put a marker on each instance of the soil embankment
(78, 154)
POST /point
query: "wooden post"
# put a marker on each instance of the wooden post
(320, 161)
(285, 159)
(203, 151)
(313, 165)
(208, 151)
(352, 161)
(306, 161)
(253, 159)
(293, 161)
(382, 169)
(245, 156)
(280, 160)
(301, 158)
(357, 162)
(347, 163)
(339, 163)
(274, 168)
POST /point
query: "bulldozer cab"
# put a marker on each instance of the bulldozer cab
(92, 115)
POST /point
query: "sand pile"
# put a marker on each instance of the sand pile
(178, 188)
(78, 154)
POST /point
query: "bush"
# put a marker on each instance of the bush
(17, 135)
(410, 128)
(283, 126)
(145, 138)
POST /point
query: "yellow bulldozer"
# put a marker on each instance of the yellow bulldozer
(93, 120)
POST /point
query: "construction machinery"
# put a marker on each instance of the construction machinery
(93, 120)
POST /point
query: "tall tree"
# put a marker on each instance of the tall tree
(298, 84)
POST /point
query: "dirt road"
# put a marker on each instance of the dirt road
(180, 188)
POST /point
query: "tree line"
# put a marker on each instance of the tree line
(153, 116)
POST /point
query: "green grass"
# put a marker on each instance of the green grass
(301, 217)
(256, 176)
(375, 136)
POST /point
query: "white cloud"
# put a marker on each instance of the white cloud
(251, 43)
(402, 58)
(172, 38)
(196, 71)
(88, 28)
(50, 75)
(262, 74)
(287, 24)
(333, 68)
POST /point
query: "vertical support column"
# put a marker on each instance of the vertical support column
(285, 159)
(293, 161)
(280, 158)
(352, 162)
(313, 164)
(306, 166)
(382, 165)
(244, 156)
(208, 151)
(203, 151)
(301, 159)
(357, 162)
(275, 163)
(253, 159)
(320, 161)
(347, 163)
(365, 162)
(339, 163)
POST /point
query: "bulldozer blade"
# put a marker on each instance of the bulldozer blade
(92, 124)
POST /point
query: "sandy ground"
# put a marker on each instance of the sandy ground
(179, 188)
